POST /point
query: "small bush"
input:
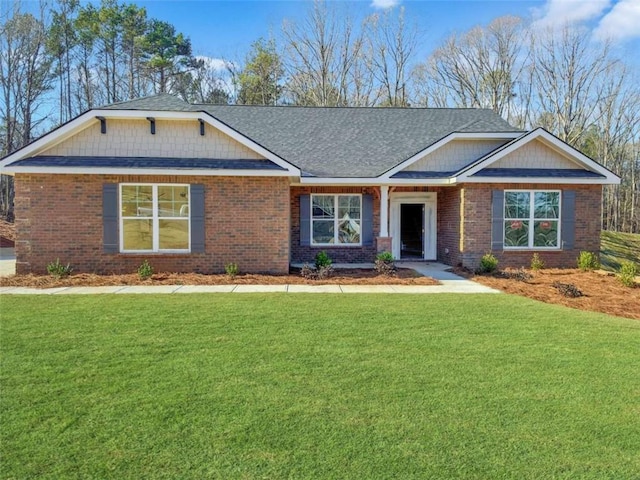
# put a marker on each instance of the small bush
(488, 263)
(568, 289)
(322, 260)
(588, 261)
(311, 273)
(58, 270)
(384, 264)
(231, 269)
(627, 274)
(145, 270)
(536, 262)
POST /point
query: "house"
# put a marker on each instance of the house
(193, 187)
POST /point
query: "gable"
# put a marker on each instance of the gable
(454, 155)
(535, 154)
(132, 138)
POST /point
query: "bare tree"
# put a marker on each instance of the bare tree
(477, 69)
(391, 45)
(320, 54)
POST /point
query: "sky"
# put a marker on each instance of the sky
(226, 29)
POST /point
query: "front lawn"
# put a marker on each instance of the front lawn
(315, 386)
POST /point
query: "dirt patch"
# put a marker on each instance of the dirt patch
(602, 291)
(340, 277)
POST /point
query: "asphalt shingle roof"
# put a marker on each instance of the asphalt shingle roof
(334, 141)
(537, 172)
(147, 162)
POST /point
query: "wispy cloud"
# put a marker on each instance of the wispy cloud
(618, 20)
(621, 23)
(216, 64)
(561, 12)
(384, 4)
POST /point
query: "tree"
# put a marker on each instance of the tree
(165, 54)
(391, 45)
(477, 69)
(259, 82)
(320, 55)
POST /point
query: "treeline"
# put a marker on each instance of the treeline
(65, 59)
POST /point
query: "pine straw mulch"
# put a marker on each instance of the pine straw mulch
(7, 233)
(602, 291)
(340, 277)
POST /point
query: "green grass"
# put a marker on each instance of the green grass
(316, 386)
(617, 247)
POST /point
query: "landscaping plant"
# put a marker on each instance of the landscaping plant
(231, 269)
(322, 260)
(59, 270)
(385, 264)
(488, 263)
(627, 274)
(145, 270)
(536, 262)
(588, 261)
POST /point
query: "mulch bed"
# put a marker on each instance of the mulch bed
(602, 291)
(340, 277)
(7, 234)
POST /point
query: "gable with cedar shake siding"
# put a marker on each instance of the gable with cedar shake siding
(191, 188)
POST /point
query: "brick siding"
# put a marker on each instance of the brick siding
(339, 254)
(60, 216)
(476, 226)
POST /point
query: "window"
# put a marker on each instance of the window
(154, 218)
(336, 219)
(531, 219)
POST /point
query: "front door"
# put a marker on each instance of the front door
(412, 225)
(412, 231)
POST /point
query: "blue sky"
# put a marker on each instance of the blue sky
(225, 29)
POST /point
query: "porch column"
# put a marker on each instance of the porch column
(384, 211)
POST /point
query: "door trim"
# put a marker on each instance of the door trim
(429, 201)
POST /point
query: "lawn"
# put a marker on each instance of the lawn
(617, 247)
(316, 386)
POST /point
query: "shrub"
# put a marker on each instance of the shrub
(311, 273)
(58, 270)
(384, 264)
(488, 263)
(536, 262)
(568, 289)
(322, 260)
(231, 269)
(145, 270)
(627, 274)
(588, 261)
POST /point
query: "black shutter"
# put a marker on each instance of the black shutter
(367, 220)
(305, 220)
(196, 208)
(110, 217)
(568, 219)
(497, 220)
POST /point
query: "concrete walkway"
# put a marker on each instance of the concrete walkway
(449, 283)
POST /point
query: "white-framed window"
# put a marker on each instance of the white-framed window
(154, 218)
(336, 219)
(532, 219)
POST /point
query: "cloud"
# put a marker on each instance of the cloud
(561, 12)
(215, 64)
(621, 23)
(384, 4)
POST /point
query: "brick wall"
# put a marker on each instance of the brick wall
(449, 225)
(340, 254)
(60, 216)
(476, 226)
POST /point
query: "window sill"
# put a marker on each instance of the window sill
(331, 245)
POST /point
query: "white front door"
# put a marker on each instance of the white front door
(413, 225)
